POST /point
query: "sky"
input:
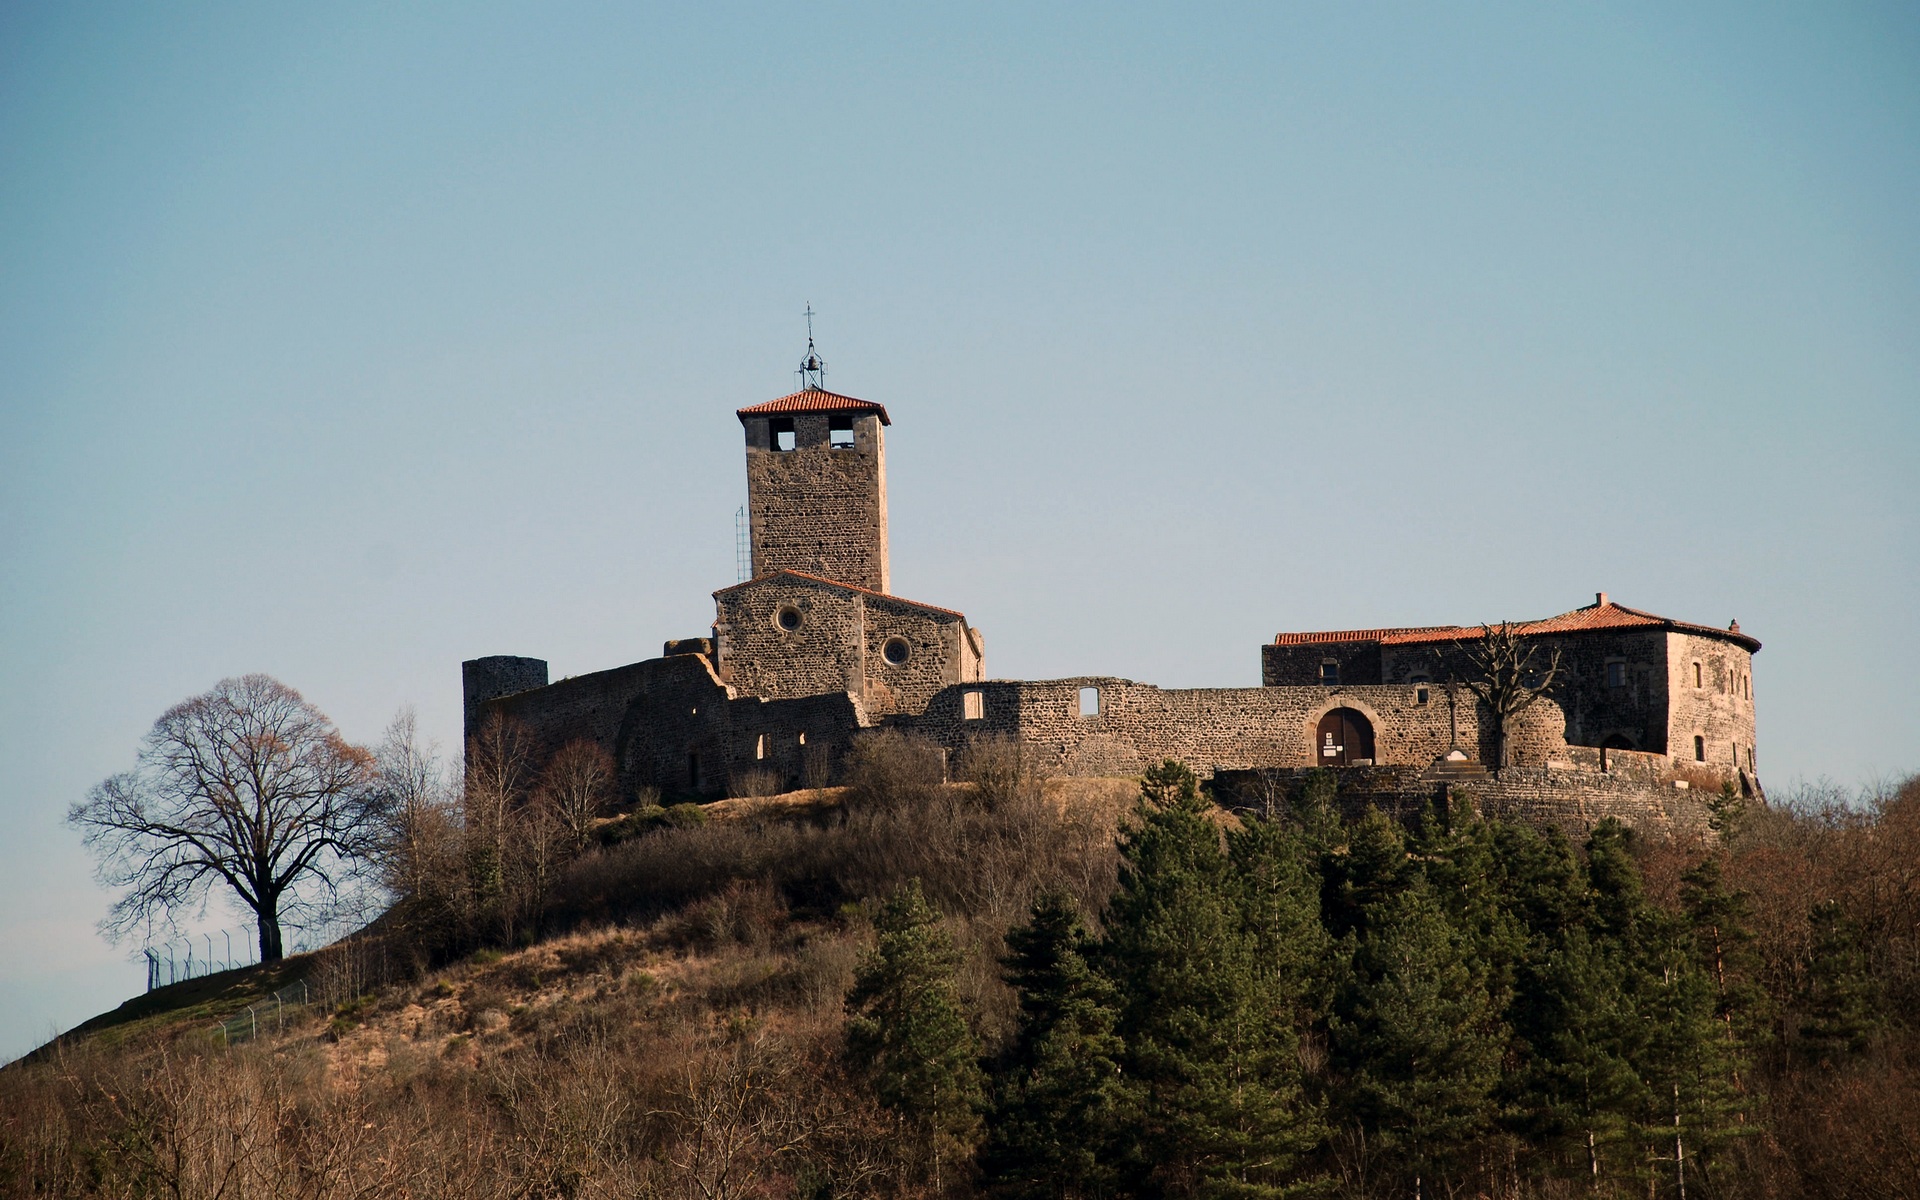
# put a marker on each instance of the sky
(346, 342)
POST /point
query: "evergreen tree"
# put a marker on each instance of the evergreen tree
(1360, 874)
(1204, 1020)
(1061, 1103)
(1454, 850)
(1841, 1002)
(1540, 880)
(1275, 869)
(1618, 901)
(1686, 1065)
(1415, 1037)
(1719, 920)
(1577, 1087)
(908, 1034)
(1688, 1105)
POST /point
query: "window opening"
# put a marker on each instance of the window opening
(1089, 701)
(840, 433)
(788, 618)
(803, 737)
(760, 746)
(1699, 748)
(1420, 695)
(1330, 674)
(1696, 674)
(780, 430)
(896, 651)
(973, 706)
(1616, 674)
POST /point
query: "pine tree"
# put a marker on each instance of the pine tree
(1204, 1020)
(1574, 1088)
(1841, 1001)
(1416, 1037)
(1618, 901)
(1357, 876)
(1688, 1105)
(1685, 1064)
(908, 1033)
(1720, 922)
(1577, 1087)
(1275, 869)
(1455, 851)
(1061, 1102)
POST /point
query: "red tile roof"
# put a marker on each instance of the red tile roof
(814, 400)
(851, 587)
(1605, 615)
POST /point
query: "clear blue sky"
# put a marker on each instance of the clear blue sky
(347, 342)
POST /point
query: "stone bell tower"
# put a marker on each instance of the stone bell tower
(817, 483)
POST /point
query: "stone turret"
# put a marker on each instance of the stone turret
(484, 679)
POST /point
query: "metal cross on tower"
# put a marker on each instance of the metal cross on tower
(813, 368)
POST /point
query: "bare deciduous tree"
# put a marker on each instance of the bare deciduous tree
(422, 860)
(248, 787)
(738, 1117)
(499, 776)
(577, 786)
(1507, 679)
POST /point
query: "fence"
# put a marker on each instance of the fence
(270, 1014)
(201, 954)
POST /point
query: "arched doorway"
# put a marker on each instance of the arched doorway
(1343, 737)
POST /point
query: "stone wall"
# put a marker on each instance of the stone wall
(483, 679)
(679, 698)
(1572, 799)
(816, 508)
(838, 642)
(1213, 728)
(1302, 665)
(1719, 710)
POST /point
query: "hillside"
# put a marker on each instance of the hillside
(675, 1019)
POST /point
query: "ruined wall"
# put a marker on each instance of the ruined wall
(1212, 728)
(680, 696)
(1719, 710)
(816, 508)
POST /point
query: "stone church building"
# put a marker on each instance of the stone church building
(815, 648)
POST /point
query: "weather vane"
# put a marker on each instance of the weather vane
(813, 368)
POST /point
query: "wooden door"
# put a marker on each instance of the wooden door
(1342, 738)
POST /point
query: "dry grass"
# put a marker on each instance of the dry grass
(679, 1034)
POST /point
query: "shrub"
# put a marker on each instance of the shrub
(889, 769)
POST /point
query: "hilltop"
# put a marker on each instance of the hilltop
(676, 1020)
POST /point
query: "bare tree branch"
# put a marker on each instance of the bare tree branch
(1507, 679)
(247, 787)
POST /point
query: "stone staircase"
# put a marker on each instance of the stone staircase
(1455, 768)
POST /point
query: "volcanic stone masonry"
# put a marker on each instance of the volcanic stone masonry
(1644, 715)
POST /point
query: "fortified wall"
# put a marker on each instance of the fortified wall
(1642, 712)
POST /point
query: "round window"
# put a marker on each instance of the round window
(788, 618)
(896, 650)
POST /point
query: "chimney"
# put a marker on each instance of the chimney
(1599, 599)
